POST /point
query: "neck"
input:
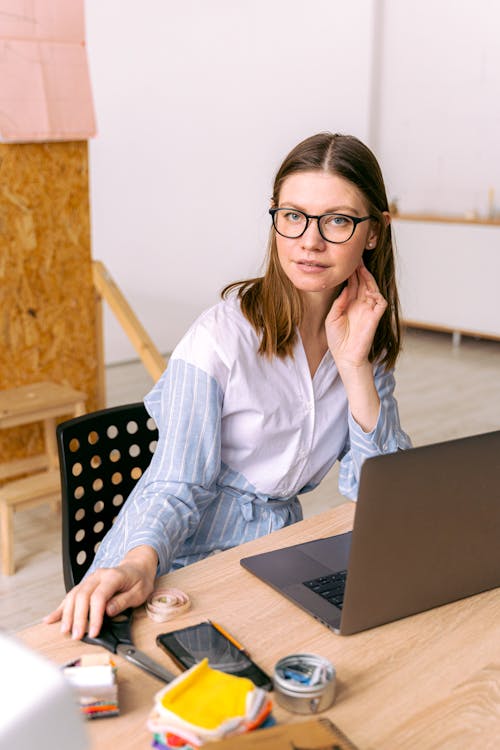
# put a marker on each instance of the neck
(312, 328)
(316, 307)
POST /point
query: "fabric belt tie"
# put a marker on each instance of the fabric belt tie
(247, 501)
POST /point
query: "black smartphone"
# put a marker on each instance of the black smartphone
(188, 646)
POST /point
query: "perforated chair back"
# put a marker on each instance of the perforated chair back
(101, 455)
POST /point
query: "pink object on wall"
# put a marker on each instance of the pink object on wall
(45, 91)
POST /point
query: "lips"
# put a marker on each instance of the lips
(310, 264)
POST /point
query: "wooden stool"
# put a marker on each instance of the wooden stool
(40, 402)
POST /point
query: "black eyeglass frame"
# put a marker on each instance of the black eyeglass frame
(355, 220)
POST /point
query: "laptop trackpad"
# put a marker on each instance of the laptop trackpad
(332, 552)
(293, 565)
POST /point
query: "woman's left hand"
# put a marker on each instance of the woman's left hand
(353, 319)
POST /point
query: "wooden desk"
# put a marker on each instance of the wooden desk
(429, 681)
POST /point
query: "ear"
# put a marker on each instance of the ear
(373, 234)
(372, 238)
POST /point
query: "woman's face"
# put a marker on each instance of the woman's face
(312, 264)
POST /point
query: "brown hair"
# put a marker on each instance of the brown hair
(272, 304)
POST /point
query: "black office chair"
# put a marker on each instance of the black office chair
(101, 455)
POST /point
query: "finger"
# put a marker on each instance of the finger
(80, 614)
(54, 616)
(121, 602)
(131, 598)
(339, 306)
(375, 295)
(362, 284)
(110, 583)
(376, 302)
(68, 605)
(368, 278)
(82, 595)
(352, 286)
(97, 610)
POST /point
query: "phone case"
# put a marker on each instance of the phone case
(188, 646)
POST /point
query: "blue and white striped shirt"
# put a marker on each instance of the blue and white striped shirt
(240, 436)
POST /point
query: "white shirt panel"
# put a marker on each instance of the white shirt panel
(279, 427)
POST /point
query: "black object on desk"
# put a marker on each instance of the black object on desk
(190, 645)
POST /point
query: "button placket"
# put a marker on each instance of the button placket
(305, 392)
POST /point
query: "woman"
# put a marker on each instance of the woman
(287, 374)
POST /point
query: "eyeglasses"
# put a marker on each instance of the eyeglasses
(336, 228)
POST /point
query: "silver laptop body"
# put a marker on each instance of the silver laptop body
(426, 532)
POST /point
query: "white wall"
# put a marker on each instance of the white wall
(197, 102)
(436, 127)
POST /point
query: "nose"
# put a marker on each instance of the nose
(312, 239)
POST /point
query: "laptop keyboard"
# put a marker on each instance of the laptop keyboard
(330, 587)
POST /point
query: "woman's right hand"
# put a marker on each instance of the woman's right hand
(107, 591)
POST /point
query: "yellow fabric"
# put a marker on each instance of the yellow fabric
(206, 697)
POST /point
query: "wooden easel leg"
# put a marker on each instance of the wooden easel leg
(49, 428)
(99, 336)
(105, 286)
(7, 537)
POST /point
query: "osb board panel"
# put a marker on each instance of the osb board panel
(47, 300)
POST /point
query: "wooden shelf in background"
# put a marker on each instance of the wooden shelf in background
(447, 219)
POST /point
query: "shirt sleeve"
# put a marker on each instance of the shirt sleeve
(386, 437)
(165, 505)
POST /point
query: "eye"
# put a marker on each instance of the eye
(338, 220)
(293, 217)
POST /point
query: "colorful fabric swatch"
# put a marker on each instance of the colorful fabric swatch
(204, 704)
(93, 679)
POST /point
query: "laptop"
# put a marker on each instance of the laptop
(426, 532)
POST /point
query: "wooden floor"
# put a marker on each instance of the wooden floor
(444, 391)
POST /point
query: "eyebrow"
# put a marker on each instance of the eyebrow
(337, 210)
